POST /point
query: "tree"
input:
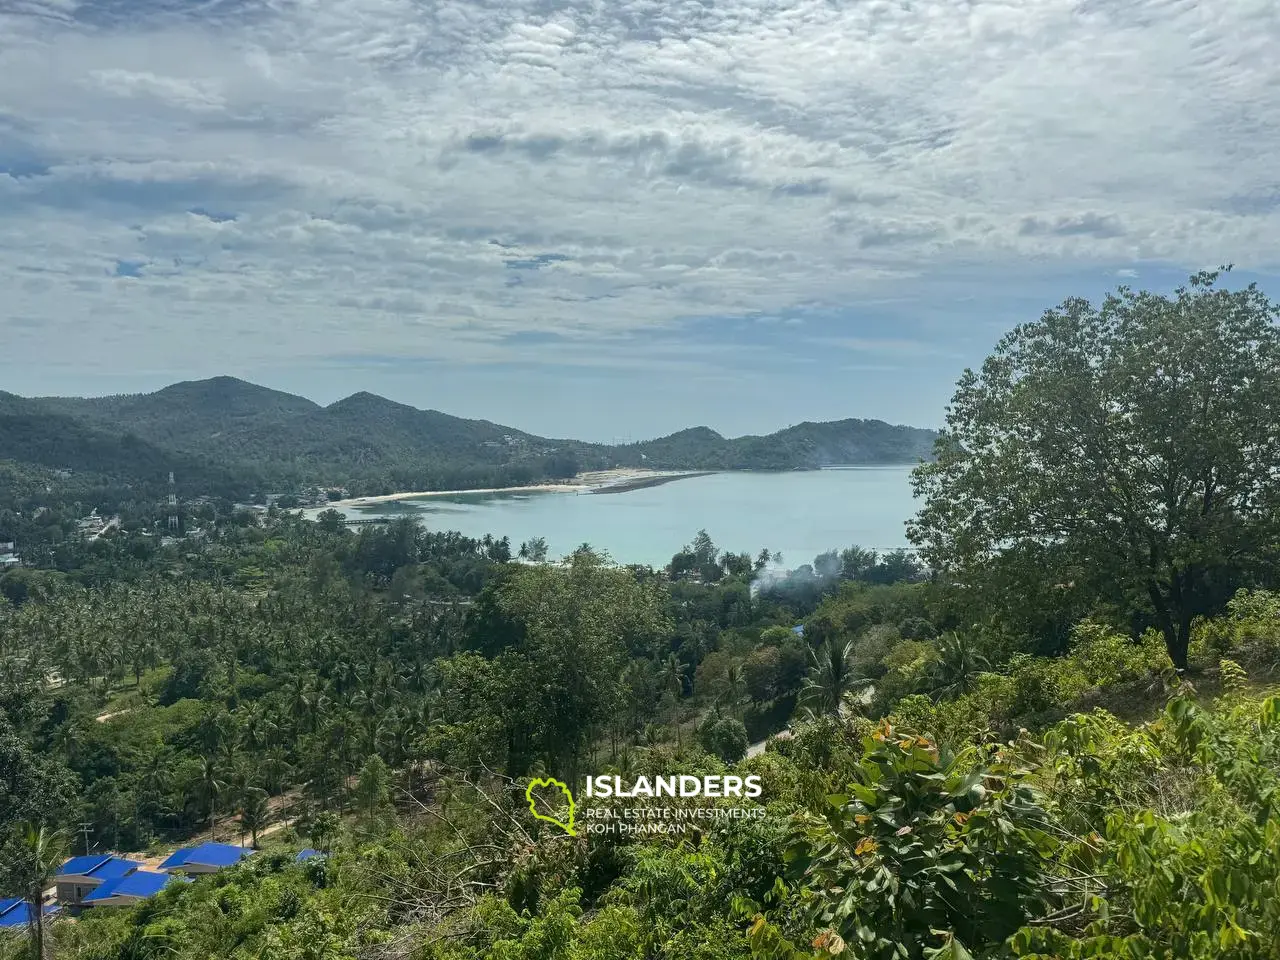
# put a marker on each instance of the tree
(34, 788)
(725, 737)
(331, 521)
(45, 850)
(733, 688)
(832, 680)
(255, 812)
(210, 789)
(373, 789)
(673, 678)
(1134, 444)
(534, 550)
(578, 624)
(956, 671)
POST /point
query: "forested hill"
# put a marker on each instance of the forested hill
(804, 446)
(37, 436)
(366, 439)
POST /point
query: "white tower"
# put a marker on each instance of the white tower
(173, 504)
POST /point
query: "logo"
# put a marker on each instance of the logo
(533, 803)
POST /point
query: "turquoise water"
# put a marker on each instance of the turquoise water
(800, 514)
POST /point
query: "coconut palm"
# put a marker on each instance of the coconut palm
(44, 851)
(832, 681)
(210, 789)
(734, 688)
(255, 812)
(673, 677)
(957, 669)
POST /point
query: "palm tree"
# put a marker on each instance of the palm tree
(735, 688)
(210, 788)
(255, 812)
(832, 680)
(45, 850)
(673, 676)
(957, 668)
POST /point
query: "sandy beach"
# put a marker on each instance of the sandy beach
(594, 481)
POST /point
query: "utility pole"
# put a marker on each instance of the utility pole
(84, 828)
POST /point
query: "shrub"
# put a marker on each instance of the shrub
(1105, 658)
(923, 846)
(1257, 617)
(725, 737)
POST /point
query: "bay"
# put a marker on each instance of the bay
(801, 514)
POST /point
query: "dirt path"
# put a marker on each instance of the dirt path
(229, 827)
(104, 717)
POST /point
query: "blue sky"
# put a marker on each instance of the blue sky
(611, 219)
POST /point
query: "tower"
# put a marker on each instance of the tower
(173, 504)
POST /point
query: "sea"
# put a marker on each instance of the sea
(798, 514)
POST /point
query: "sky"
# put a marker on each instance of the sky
(611, 220)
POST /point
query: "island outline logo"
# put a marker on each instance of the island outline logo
(533, 803)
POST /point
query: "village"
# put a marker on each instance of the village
(97, 880)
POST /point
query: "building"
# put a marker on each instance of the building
(308, 854)
(15, 913)
(128, 890)
(80, 876)
(206, 858)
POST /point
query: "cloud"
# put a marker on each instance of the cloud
(437, 177)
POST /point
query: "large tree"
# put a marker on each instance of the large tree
(1135, 444)
(579, 625)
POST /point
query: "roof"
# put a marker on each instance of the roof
(798, 629)
(16, 912)
(114, 868)
(307, 854)
(83, 866)
(140, 884)
(98, 866)
(206, 855)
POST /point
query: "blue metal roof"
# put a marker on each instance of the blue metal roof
(140, 883)
(798, 629)
(114, 868)
(99, 866)
(307, 854)
(206, 855)
(16, 912)
(177, 858)
(83, 866)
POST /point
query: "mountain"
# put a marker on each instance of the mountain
(196, 415)
(35, 433)
(804, 446)
(224, 426)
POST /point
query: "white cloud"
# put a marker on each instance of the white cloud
(387, 175)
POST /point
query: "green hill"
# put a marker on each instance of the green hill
(256, 433)
(33, 433)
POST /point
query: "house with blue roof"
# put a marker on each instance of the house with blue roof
(80, 876)
(307, 854)
(15, 913)
(130, 889)
(206, 858)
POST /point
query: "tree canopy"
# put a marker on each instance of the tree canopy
(1134, 445)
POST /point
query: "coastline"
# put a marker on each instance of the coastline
(597, 481)
(640, 483)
